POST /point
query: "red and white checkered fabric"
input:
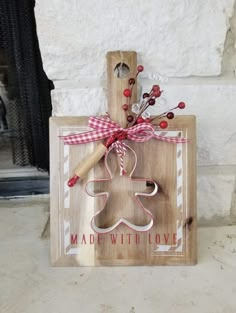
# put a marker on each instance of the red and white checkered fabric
(104, 127)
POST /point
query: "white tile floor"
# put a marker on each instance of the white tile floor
(29, 284)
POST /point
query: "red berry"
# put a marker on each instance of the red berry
(130, 118)
(127, 93)
(181, 105)
(170, 115)
(163, 124)
(152, 101)
(140, 120)
(146, 95)
(140, 68)
(147, 120)
(131, 81)
(125, 107)
(155, 87)
(157, 93)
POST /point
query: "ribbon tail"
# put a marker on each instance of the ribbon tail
(87, 137)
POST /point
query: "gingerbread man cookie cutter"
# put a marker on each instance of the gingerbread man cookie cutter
(137, 195)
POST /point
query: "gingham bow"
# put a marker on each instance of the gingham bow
(104, 127)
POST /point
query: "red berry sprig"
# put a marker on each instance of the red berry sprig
(146, 95)
(181, 105)
(149, 99)
(130, 118)
(131, 81)
(163, 124)
(140, 68)
(170, 115)
(140, 120)
(128, 93)
(125, 107)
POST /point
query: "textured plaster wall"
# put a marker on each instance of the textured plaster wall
(191, 42)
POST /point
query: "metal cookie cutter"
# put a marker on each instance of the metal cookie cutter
(136, 197)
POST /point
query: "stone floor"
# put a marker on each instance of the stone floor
(29, 284)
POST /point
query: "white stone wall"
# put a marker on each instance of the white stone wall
(191, 42)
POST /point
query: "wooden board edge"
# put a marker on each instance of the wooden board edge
(192, 169)
(54, 201)
(57, 259)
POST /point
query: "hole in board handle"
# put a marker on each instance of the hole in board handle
(121, 70)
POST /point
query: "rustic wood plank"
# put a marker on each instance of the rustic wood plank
(160, 165)
(116, 85)
(172, 239)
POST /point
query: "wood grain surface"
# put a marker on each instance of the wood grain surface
(172, 239)
(116, 85)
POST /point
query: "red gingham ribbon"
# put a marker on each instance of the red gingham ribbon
(104, 127)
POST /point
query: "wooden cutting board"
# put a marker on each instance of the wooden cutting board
(172, 239)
